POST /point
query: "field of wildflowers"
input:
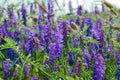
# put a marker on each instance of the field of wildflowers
(35, 44)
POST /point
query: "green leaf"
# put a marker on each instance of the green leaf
(69, 78)
(90, 39)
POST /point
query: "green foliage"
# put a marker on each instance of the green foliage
(111, 69)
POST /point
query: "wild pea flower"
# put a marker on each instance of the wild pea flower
(50, 8)
(16, 36)
(31, 8)
(6, 68)
(63, 26)
(15, 73)
(56, 46)
(104, 9)
(40, 21)
(87, 57)
(1, 12)
(99, 67)
(38, 44)
(30, 46)
(96, 10)
(22, 44)
(99, 35)
(110, 46)
(2, 41)
(118, 36)
(111, 19)
(46, 35)
(31, 32)
(77, 68)
(1, 32)
(75, 42)
(6, 23)
(88, 21)
(118, 74)
(57, 67)
(24, 13)
(27, 70)
(12, 55)
(11, 14)
(79, 10)
(117, 54)
(70, 6)
(118, 63)
(71, 58)
(70, 71)
(52, 54)
(82, 23)
(6, 29)
(34, 78)
(93, 48)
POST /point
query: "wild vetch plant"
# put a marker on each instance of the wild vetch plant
(38, 44)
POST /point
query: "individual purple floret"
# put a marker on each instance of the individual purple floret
(34, 78)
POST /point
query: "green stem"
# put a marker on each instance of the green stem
(22, 70)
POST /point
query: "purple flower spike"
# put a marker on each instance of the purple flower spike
(77, 68)
(118, 36)
(15, 74)
(96, 10)
(30, 46)
(110, 47)
(24, 13)
(6, 68)
(50, 8)
(71, 58)
(99, 67)
(104, 9)
(87, 57)
(1, 12)
(79, 11)
(31, 8)
(27, 70)
(75, 41)
(118, 74)
(70, 6)
(11, 14)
